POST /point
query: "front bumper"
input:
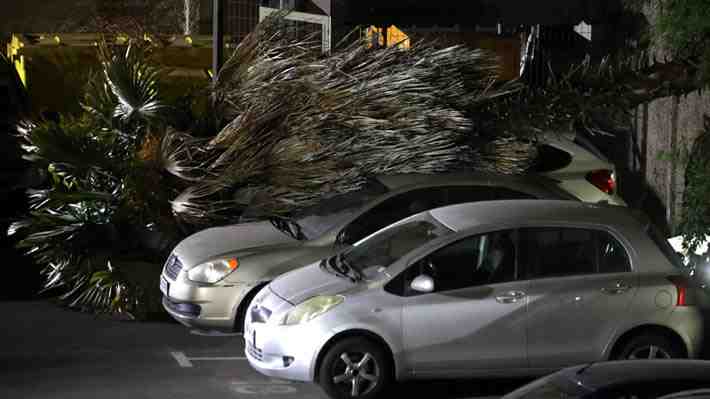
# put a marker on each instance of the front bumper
(203, 307)
(285, 352)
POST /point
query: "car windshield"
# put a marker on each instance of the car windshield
(333, 212)
(548, 391)
(387, 246)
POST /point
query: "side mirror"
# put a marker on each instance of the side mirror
(423, 283)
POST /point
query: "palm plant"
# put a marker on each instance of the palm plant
(90, 224)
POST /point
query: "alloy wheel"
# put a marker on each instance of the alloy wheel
(356, 373)
(649, 352)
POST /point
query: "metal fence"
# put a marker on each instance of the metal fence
(550, 50)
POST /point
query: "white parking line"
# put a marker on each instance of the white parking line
(220, 358)
(184, 361)
(270, 387)
(268, 382)
(214, 333)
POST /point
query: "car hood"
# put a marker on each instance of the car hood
(213, 242)
(301, 284)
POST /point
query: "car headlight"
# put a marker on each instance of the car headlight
(213, 271)
(310, 309)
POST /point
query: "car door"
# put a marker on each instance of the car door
(581, 287)
(475, 317)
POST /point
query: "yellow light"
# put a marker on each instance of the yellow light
(188, 40)
(395, 37)
(18, 61)
(57, 39)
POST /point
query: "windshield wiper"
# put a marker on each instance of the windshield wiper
(330, 267)
(355, 272)
(289, 226)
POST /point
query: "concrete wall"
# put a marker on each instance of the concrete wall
(662, 127)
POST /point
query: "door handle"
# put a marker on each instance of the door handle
(511, 297)
(618, 288)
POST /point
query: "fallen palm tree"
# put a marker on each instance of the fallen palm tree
(306, 126)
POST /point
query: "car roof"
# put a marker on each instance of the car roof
(465, 216)
(605, 374)
(528, 183)
(696, 394)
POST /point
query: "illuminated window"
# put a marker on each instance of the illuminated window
(395, 37)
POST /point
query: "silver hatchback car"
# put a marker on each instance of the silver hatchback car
(498, 288)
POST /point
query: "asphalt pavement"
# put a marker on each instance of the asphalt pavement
(50, 352)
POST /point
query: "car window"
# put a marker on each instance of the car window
(551, 158)
(474, 261)
(329, 213)
(612, 256)
(661, 242)
(393, 210)
(559, 252)
(387, 246)
(407, 204)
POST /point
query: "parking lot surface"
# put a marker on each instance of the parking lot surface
(49, 352)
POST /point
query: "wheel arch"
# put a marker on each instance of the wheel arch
(636, 331)
(245, 300)
(357, 332)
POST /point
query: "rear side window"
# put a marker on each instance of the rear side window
(612, 256)
(551, 158)
(673, 257)
(559, 252)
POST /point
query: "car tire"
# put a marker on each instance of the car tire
(241, 315)
(354, 362)
(651, 346)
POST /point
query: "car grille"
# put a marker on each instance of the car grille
(173, 267)
(255, 352)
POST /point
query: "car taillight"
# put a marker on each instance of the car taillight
(603, 180)
(681, 286)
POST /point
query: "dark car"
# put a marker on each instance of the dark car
(629, 379)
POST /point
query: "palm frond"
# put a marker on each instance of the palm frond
(132, 81)
(99, 100)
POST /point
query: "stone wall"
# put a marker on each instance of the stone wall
(663, 127)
